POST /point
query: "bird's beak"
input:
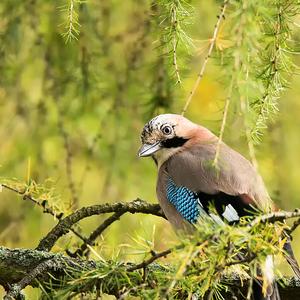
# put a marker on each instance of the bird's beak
(149, 149)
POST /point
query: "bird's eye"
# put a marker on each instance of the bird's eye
(167, 130)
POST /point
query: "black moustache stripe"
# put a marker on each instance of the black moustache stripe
(174, 142)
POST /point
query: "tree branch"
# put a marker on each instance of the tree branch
(294, 226)
(96, 233)
(276, 217)
(63, 227)
(155, 256)
(22, 267)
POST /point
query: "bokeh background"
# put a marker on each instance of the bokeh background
(72, 109)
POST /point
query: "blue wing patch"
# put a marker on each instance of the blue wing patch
(185, 201)
(188, 204)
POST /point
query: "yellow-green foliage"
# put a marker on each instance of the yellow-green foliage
(196, 265)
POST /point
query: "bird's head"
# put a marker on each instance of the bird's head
(166, 134)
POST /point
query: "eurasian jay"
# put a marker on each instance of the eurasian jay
(187, 182)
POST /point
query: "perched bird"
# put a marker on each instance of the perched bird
(188, 183)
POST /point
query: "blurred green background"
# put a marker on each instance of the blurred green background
(72, 111)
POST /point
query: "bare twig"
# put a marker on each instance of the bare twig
(225, 113)
(175, 43)
(243, 104)
(155, 256)
(96, 233)
(294, 226)
(211, 47)
(63, 227)
(275, 217)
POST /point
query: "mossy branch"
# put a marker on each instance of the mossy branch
(22, 267)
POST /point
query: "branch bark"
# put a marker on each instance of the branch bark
(276, 217)
(17, 264)
(22, 267)
(63, 227)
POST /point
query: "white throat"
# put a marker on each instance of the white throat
(163, 155)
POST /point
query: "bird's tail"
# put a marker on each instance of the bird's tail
(290, 257)
(266, 289)
(257, 291)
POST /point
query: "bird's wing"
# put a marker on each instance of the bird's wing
(233, 175)
(188, 176)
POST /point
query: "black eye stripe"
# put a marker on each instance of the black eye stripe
(174, 142)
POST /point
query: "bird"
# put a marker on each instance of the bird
(196, 169)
